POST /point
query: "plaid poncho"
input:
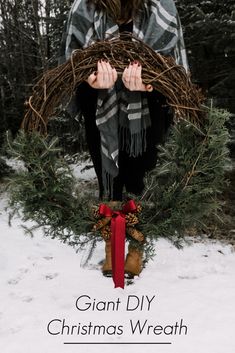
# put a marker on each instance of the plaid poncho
(123, 116)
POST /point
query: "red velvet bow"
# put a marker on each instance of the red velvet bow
(118, 230)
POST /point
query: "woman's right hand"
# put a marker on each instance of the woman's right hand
(105, 76)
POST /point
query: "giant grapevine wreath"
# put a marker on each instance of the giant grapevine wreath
(180, 192)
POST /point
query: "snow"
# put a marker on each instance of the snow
(41, 280)
(80, 172)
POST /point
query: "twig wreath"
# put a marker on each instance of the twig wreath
(180, 191)
(163, 73)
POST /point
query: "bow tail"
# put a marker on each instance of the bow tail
(118, 227)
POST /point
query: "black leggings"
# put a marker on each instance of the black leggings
(131, 169)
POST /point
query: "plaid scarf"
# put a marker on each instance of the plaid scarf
(122, 116)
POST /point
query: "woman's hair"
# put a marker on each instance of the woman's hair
(120, 10)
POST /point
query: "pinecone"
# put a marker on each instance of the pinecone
(131, 219)
(106, 232)
(139, 208)
(101, 223)
(96, 213)
(135, 234)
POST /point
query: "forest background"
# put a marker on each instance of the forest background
(30, 35)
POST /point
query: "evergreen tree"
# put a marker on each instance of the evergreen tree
(30, 35)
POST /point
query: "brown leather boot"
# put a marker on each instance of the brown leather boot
(134, 261)
(107, 265)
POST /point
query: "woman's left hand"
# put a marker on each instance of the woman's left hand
(132, 79)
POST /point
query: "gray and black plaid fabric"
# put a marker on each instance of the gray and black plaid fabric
(123, 116)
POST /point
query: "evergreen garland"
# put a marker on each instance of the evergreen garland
(181, 192)
(44, 191)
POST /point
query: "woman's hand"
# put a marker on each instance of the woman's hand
(132, 79)
(105, 76)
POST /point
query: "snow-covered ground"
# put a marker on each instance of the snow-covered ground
(41, 280)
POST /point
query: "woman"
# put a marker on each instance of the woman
(124, 118)
(123, 150)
